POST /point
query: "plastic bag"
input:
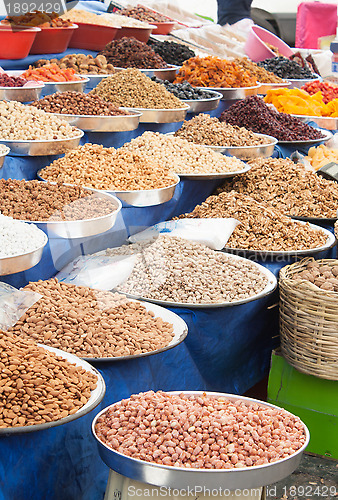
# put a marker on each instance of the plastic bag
(314, 20)
(13, 304)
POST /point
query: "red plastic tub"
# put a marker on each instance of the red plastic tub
(92, 36)
(15, 43)
(53, 40)
(141, 34)
(163, 28)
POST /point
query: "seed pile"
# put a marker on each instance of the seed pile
(82, 16)
(261, 227)
(321, 274)
(203, 129)
(253, 114)
(94, 166)
(77, 103)
(130, 88)
(289, 188)
(143, 14)
(116, 20)
(11, 81)
(171, 52)
(261, 74)
(42, 201)
(81, 63)
(182, 157)
(131, 53)
(17, 238)
(176, 270)
(199, 432)
(91, 323)
(284, 68)
(19, 122)
(184, 90)
(36, 385)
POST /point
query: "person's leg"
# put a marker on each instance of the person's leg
(231, 11)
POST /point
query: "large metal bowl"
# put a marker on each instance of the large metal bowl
(94, 400)
(21, 94)
(18, 263)
(215, 176)
(94, 80)
(327, 122)
(3, 155)
(42, 148)
(52, 87)
(180, 332)
(232, 94)
(90, 123)
(327, 135)
(162, 73)
(183, 478)
(264, 87)
(160, 115)
(201, 105)
(296, 83)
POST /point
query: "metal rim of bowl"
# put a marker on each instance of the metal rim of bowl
(30, 251)
(35, 141)
(8, 150)
(273, 142)
(132, 114)
(215, 97)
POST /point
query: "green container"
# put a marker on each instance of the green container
(314, 400)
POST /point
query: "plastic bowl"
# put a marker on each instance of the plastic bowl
(163, 28)
(141, 34)
(15, 43)
(92, 36)
(53, 40)
(255, 46)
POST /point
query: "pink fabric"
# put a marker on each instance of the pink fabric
(314, 19)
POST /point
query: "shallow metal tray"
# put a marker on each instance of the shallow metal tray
(331, 241)
(180, 331)
(162, 73)
(160, 115)
(264, 87)
(223, 175)
(248, 152)
(42, 148)
(269, 288)
(231, 94)
(90, 123)
(52, 87)
(73, 229)
(183, 478)
(3, 155)
(94, 400)
(327, 135)
(18, 263)
(201, 105)
(21, 94)
(298, 83)
(326, 122)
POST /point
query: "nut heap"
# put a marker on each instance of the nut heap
(17, 237)
(81, 63)
(260, 228)
(77, 103)
(83, 16)
(131, 53)
(203, 129)
(130, 88)
(321, 274)
(91, 323)
(200, 432)
(94, 166)
(144, 14)
(19, 122)
(289, 188)
(176, 270)
(181, 156)
(42, 201)
(36, 385)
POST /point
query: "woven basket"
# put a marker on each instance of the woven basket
(308, 323)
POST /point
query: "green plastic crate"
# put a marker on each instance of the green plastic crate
(313, 399)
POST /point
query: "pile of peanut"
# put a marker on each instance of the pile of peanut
(176, 270)
(203, 129)
(181, 156)
(94, 166)
(131, 88)
(42, 201)
(289, 188)
(36, 386)
(321, 274)
(199, 432)
(81, 63)
(261, 228)
(91, 323)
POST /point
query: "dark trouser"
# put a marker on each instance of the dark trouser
(231, 11)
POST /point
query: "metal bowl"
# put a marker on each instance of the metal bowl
(94, 400)
(21, 94)
(18, 263)
(327, 122)
(52, 87)
(327, 135)
(201, 105)
(211, 176)
(234, 93)
(3, 155)
(42, 148)
(296, 83)
(90, 123)
(73, 229)
(264, 87)
(180, 331)
(94, 80)
(168, 73)
(269, 288)
(183, 478)
(160, 115)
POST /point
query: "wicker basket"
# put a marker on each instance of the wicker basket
(308, 323)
